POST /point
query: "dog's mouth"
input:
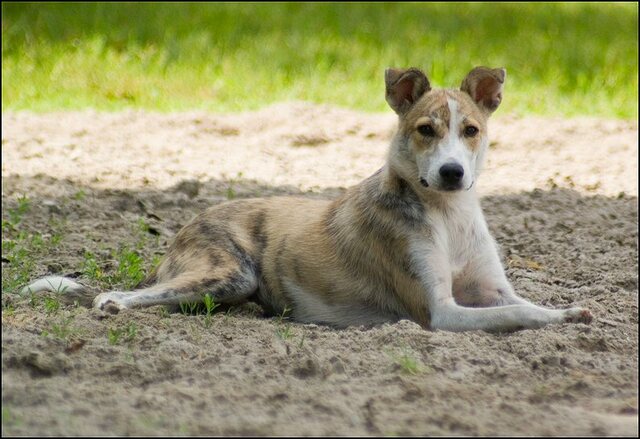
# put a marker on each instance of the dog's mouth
(447, 188)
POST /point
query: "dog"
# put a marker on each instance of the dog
(409, 242)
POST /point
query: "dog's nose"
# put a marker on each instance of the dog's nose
(451, 173)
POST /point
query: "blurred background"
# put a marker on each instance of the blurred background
(564, 59)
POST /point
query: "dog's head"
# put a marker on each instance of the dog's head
(442, 134)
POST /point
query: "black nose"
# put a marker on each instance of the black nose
(451, 173)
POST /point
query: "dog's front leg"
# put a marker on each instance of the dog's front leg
(447, 315)
(490, 286)
(484, 283)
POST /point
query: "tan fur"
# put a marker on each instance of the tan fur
(408, 242)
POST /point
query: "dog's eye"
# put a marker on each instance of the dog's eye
(426, 130)
(470, 131)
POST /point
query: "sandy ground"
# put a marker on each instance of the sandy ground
(560, 196)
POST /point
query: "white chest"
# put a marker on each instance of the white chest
(457, 236)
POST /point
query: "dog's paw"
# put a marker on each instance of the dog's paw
(109, 302)
(578, 315)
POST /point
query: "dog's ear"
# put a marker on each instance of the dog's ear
(404, 88)
(484, 85)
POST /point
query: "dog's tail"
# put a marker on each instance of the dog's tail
(69, 290)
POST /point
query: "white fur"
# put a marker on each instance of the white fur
(55, 284)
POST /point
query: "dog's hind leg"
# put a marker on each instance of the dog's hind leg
(187, 287)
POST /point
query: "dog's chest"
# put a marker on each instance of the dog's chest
(460, 252)
(456, 237)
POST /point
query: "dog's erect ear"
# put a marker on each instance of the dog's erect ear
(484, 85)
(404, 88)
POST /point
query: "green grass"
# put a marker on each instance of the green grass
(9, 418)
(562, 58)
(127, 333)
(130, 266)
(407, 362)
(206, 307)
(284, 330)
(129, 270)
(62, 329)
(20, 247)
(51, 305)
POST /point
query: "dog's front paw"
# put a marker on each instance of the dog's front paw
(578, 315)
(109, 302)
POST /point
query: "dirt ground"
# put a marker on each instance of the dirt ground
(560, 196)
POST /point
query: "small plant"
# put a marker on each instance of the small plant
(155, 261)
(90, 267)
(63, 330)
(189, 308)
(37, 241)
(9, 418)
(231, 194)
(163, 312)
(128, 333)
(209, 306)
(131, 331)
(143, 226)
(51, 304)
(408, 363)
(283, 330)
(8, 309)
(130, 268)
(283, 315)
(114, 335)
(56, 238)
(15, 214)
(34, 299)
(206, 307)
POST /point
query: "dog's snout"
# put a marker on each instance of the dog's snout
(451, 174)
